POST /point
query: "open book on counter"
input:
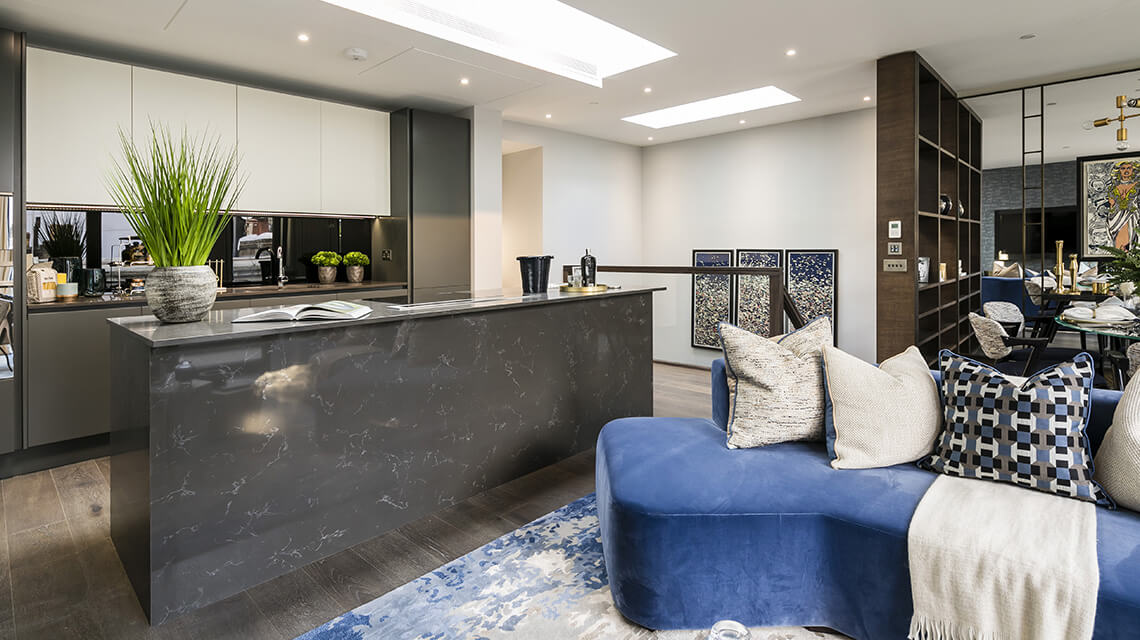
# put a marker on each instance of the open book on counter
(331, 310)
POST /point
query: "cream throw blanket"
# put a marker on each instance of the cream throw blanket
(992, 561)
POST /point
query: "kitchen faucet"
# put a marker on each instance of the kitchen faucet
(281, 277)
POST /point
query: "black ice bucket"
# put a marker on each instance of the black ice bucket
(535, 273)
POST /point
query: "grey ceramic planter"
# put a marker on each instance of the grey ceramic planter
(355, 273)
(181, 294)
(326, 275)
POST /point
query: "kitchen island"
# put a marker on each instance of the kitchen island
(243, 451)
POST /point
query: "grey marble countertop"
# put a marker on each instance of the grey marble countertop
(219, 325)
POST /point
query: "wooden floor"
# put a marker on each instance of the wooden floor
(60, 577)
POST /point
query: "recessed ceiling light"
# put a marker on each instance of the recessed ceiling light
(648, 89)
(549, 116)
(1027, 36)
(790, 52)
(650, 138)
(742, 121)
(1050, 104)
(1065, 147)
(866, 98)
(544, 34)
(464, 81)
(303, 37)
(730, 104)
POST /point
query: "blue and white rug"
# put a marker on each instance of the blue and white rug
(544, 580)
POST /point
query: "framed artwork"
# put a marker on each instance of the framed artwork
(812, 278)
(1108, 188)
(753, 296)
(712, 297)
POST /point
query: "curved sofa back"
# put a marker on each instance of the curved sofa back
(1103, 404)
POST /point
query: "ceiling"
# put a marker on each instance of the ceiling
(723, 46)
(1067, 107)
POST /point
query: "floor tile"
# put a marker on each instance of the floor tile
(30, 501)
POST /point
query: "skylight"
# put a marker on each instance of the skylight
(730, 104)
(545, 34)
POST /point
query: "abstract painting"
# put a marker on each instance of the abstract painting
(812, 279)
(754, 293)
(1109, 188)
(712, 297)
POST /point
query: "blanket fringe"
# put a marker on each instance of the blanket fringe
(922, 628)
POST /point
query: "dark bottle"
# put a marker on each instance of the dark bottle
(589, 270)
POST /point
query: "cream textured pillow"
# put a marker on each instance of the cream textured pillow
(1117, 463)
(775, 386)
(878, 417)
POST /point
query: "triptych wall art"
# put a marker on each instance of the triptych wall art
(811, 278)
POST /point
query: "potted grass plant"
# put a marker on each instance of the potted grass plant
(177, 194)
(355, 262)
(1124, 269)
(326, 263)
(62, 236)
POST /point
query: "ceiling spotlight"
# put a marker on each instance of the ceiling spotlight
(303, 37)
(866, 98)
(651, 138)
(743, 121)
(549, 116)
(464, 81)
(1027, 36)
(1050, 104)
(790, 52)
(648, 89)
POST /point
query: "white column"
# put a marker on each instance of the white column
(486, 197)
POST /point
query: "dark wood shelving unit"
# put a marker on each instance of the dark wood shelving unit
(929, 144)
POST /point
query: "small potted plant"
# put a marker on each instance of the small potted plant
(63, 237)
(1124, 270)
(177, 193)
(355, 262)
(326, 263)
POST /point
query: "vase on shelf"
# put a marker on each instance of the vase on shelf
(945, 205)
(355, 273)
(923, 270)
(326, 275)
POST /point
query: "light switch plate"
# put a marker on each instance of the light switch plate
(385, 254)
(894, 248)
(894, 265)
(894, 229)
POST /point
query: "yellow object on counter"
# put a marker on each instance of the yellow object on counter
(61, 278)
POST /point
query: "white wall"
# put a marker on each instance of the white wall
(486, 197)
(522, 211)
(803, 185)
(591, 196)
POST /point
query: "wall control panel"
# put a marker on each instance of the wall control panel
(894, 265)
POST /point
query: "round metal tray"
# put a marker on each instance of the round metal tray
(597, 288)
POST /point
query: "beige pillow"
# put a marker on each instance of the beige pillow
(878, 417)
(1010, 271)
(1117, 463)
(775, 386)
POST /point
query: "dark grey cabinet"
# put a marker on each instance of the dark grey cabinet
(68, 374)
(431, 189)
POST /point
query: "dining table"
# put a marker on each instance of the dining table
(1117, 337)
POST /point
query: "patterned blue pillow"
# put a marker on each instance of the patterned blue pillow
(1031, 435)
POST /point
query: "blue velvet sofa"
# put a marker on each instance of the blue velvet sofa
(694, 532)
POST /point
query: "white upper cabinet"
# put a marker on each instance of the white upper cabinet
(354, 160)
(279, 139)
(75, 108)
(203, 108)
(299, 155)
